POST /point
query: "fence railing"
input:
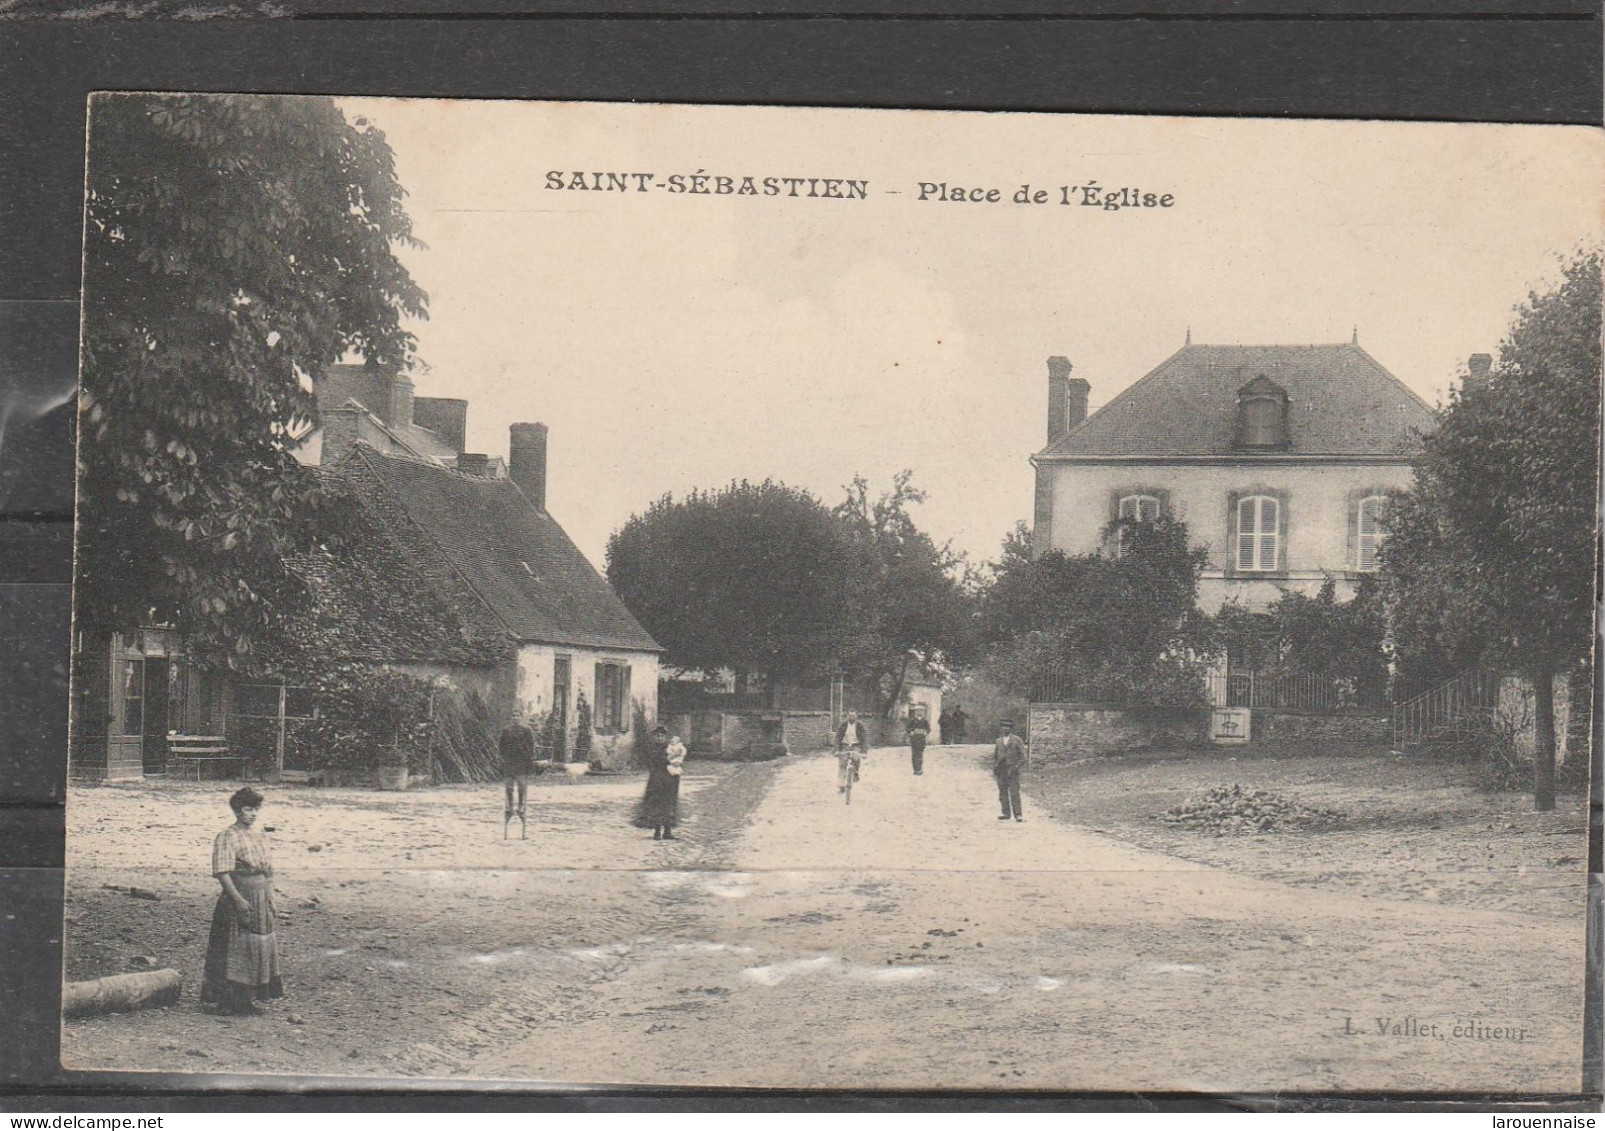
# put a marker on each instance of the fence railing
(1067, 685)
(1322, 694)
(1424, 715)
(1319, 694)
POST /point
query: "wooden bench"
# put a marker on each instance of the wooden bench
(200, 753)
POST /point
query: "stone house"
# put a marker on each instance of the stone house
(487, 550)
(1278, 458)
(455, 571)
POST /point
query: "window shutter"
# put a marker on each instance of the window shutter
(1247, 526)
(1229, 557)
(1368, 532)
(626, 704)
(1272, 526)
(1351, 538)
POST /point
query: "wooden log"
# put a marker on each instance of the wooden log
(121, 991)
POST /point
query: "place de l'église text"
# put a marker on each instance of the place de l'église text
(1090, 194)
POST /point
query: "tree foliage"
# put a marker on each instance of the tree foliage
(764, 578)
(752, 577)
(235, 246)
(1301, 635)
(908, 598)
(1121, 626)
(1501, 517)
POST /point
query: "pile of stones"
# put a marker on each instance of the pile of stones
(1235, 811)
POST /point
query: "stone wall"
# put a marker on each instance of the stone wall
(807, 731)
(1065, 731)
(1316, 730)
(730, 735)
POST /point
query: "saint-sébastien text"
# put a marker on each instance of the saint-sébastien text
(1091, 194)
(704, 183)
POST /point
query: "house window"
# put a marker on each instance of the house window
(1368, 531)
(1134, 508)
(1139, 508)
(612, 714)
(1258, 519)
(1261, 414)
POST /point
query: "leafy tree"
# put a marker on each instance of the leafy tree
(909, 602)
(752, 577)
(1437, 603)
(1503, 506)
(1316, 636)
(235, 246)
(1122, 626)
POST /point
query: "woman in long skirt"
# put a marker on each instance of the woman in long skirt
(659, 807)
(242, 954)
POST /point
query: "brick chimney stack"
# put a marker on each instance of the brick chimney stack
(476, 464)
(1067, 398)
(401, 391)
(1479, 365)
(526, 461)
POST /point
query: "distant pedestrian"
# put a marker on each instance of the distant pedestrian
(852, 743)
(919, 730)
(516, 746)
(242, 953)
(944, 727)
(960, 724)
(1008, 759)
(659, 807)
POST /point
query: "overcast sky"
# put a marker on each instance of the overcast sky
(674, 341)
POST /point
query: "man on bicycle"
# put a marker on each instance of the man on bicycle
(852, 743)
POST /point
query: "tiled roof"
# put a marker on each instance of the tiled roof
(340, 385)
(375, 598)
(1340, 402)
(513, 558)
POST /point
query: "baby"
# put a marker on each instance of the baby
(676, 753)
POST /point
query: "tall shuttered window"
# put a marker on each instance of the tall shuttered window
(612, 697)
(1135, 508)
(1139, 508)
(1258, 533)
(1368, 531)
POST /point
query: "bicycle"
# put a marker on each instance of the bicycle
(853, 759)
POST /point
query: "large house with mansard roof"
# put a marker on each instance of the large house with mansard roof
(1278, 458)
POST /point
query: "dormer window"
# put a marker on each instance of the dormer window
(1261, 415)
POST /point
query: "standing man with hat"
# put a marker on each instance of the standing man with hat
(1008, 759)
(919, 731)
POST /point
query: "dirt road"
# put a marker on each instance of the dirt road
(913, 940)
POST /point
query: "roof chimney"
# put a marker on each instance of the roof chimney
(476, 464)
(400, 406)
(526, 461)
(1067, 398)
(1479, 364)
(447, 417)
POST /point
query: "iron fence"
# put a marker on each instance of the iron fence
(1316, 694)
(1421, 717)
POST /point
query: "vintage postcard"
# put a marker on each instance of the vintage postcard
(757, 597)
